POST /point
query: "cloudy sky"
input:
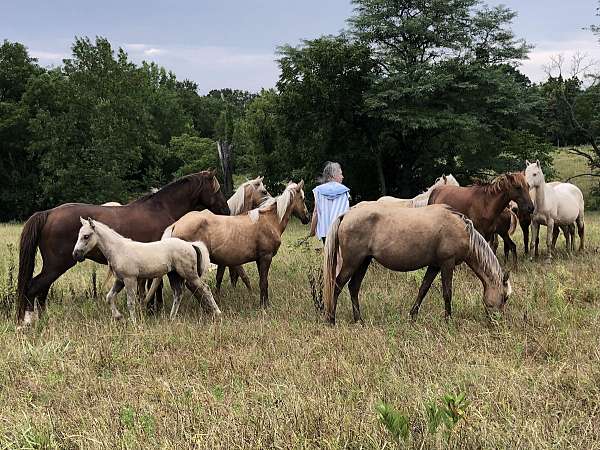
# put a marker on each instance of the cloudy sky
(232, 43)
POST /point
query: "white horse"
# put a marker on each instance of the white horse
(556, 204)
(422, 199)
(131, 260)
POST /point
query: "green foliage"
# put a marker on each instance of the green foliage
(449, 411)
(395, 422)
(195, 153)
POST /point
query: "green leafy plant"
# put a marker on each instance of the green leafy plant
(394, 421)
(450, 411)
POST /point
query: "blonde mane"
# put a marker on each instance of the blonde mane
(282, 201)
(481, 251)
(237, 201)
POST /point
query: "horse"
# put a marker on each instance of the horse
(132, 261)
(237, 240)
(421, 199)
(435, 236)
(485, 201)
(559, 204)
(248, 196)
(55, 230)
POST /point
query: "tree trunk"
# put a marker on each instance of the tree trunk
(226, 156)
(380, 174)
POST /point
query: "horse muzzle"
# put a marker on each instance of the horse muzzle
(78, 255)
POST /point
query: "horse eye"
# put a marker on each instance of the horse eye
(87, 236)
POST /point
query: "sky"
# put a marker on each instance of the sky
(233, 43)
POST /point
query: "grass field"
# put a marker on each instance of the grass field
(282, 379)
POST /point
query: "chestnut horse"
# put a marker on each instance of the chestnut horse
(55, 231)
(405, 239)
(483, 203)
(237, 240)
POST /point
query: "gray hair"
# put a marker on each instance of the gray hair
(330, 170)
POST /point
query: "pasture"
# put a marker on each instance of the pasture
(280, 378)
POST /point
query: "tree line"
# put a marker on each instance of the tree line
(410, 90)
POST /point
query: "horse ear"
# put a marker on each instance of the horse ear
(213, 172)
(261, 178)
(527, 163)
(82, 220)
(91, 222)
(301, 185)
(538, 163)
(445, 179)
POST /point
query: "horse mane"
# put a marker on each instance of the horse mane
(480, 250)
(175, 184)
(108, 229)
(236, 202)
(282, 201)
(501, 182)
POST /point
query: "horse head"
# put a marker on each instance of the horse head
(534, 174)
(86, 240)
(299, 208)
(518, 190)
(209, 194)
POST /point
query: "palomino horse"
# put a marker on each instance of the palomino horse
(434, 236)
(55, 230)
(248, 196)
(421, 199)
(237, 240)
(484, 202)
(559, 204)
(132, 261)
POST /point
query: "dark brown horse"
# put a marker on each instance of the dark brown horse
(484, 202)
(55, 231)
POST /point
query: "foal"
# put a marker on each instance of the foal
(131, 261)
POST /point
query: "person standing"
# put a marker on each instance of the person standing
(332, 198)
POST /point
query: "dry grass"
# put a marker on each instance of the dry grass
(282, 379)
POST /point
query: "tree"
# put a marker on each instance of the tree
(18, 166)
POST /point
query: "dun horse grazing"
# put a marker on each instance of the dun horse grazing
(131, 261)
(484, 202)
(55, 231)
(421, 199)
(556, 204)
(404, 239)
(248, 196)
(237, 240)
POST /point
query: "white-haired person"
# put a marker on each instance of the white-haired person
(332, 198)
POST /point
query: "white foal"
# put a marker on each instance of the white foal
(130, 261)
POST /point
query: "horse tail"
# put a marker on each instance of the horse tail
(514, 220)
(168, 232)
(202, 255)
(30, 239)
(330, 265)
(109, 274)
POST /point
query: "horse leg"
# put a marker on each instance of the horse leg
(549, 234)
(202, 292)
(241, 273)
(354, 288)
(131, 289)
(38, 288)
(580, 230)
(176, 283)
(219, 278)
(509, 247)
(264, 264)
(525, 229)
(447, 272)
(535, 229)
(555, 234)
(345, 274)
(430, 275)
(117, 286)
(494, 243)
(155, 304)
